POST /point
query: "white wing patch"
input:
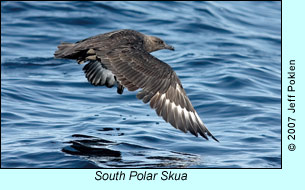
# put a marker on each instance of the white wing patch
(175, 108)
(181, 111)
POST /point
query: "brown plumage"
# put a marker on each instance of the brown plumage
(123, 58)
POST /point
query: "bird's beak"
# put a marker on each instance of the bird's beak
(169, 47)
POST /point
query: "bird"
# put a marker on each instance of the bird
(122, 58)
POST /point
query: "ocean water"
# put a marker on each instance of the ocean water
(228, 57)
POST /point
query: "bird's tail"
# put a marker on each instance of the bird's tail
(64, 50)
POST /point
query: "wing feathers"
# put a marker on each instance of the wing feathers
(175, 108)
(161, 87)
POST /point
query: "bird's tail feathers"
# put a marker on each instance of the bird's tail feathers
(64, 50)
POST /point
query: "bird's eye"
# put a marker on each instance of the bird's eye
(160, 42)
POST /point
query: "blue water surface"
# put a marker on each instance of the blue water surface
(228, 57)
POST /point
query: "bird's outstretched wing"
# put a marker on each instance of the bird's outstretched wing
(135, 68)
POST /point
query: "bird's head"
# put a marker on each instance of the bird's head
(153, 43)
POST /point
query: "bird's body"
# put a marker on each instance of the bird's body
(123, 58)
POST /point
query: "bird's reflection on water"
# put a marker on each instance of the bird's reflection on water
(108, 154)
